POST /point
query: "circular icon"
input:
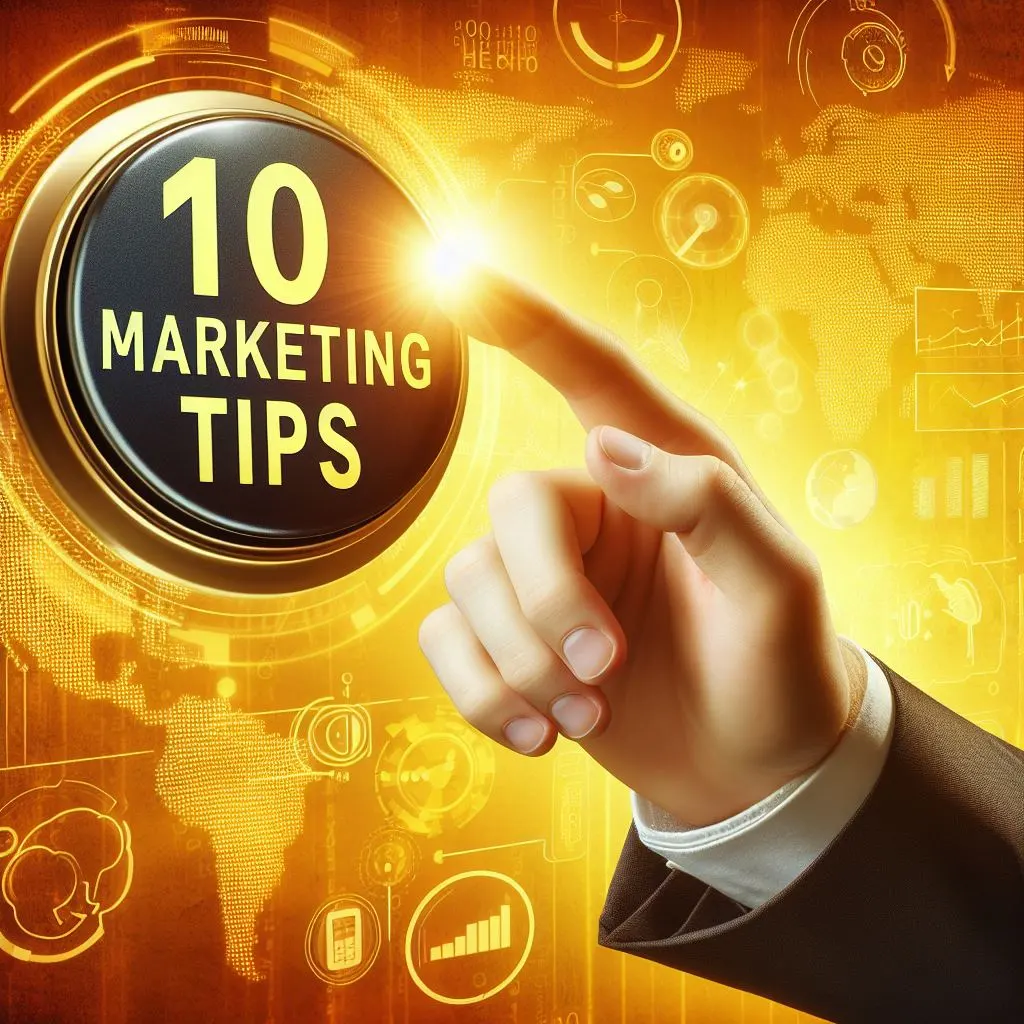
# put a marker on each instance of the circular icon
(622, 45)
(233, 378)
(343, 939)
(672, 149)
(789, 401)
(760, 329)
(782, 374)
(703, 220)
(389, 858)
(875, 57)
(649, 301)
(836, 44)
(65, 863)
(841, 489)
(328, 737)
(434, 772)
(605, 195)
(470, 937)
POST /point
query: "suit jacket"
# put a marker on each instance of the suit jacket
(915, 912)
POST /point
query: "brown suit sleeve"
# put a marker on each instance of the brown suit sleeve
(915, 912)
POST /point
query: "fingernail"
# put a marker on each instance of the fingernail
(525, 734)
(588, 651)
(625, 450)
(576, 715)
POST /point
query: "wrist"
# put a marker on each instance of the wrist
(857, 680)
(728, 797)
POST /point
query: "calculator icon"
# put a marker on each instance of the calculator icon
(344, 938)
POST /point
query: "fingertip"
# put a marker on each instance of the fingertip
(600, 466)
(581, 717)
(529, 735)
(489, 304)
(433, 626)
(592, 655)
(620, 449)
(601, 726)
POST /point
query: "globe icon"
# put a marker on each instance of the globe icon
(841, 489)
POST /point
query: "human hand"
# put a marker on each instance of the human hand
(655, 607)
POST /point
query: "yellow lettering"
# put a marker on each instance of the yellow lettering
(210, 345)
(170, 348)
(421, 379)
(196, 183)
(115, 341)
(385, 360)
(204, 409)
(284, 350)
(260, 229)
(244, 441)
(279, 445)
(350, 341)
(247, 346)
(341, 444)
(326, 336)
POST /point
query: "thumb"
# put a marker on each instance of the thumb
(724, 526)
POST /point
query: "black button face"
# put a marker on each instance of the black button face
(242, 337)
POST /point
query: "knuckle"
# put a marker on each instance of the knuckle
(478, 708)
(434, 628)
(810, 569)
(511, 491)
(713, 479)
(549, 603)
(805, 575)
(468, 567)
(724, 481)
(527, 670)
(730, 454)
(609, 346)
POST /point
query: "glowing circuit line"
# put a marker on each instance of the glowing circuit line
(251, 67)
(76, 760)
(947, 27)
(1001, 397)
(134, 30)
(298, 57)
(332, 43)
(103, 76)
(445, 855)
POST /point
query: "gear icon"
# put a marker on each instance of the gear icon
(434, 773)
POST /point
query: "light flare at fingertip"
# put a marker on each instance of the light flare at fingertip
(448, 265)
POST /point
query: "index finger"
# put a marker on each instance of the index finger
(601, 380)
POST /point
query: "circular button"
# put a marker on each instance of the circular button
(240, 337)
(233, 344)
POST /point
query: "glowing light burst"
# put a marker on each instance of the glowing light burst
(446, 266)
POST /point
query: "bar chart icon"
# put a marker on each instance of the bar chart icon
(469, 937)
(483, 936)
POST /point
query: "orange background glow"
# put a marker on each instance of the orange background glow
(229, 810)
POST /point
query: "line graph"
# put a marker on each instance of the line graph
(988, 401)
(969, 323)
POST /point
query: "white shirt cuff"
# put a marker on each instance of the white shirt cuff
(755, 854)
